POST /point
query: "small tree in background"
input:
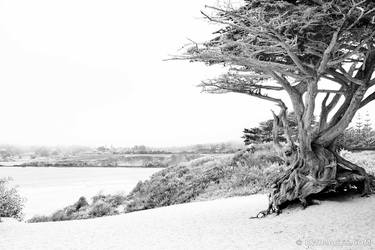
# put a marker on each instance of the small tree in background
(263, 132)
(11, 203)
(359, 137)
(367, 126)
(305, 48)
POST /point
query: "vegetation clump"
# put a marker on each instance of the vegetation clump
(208, 178)
(11, 203)
(101, 205)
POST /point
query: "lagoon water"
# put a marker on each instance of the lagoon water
(50, 189)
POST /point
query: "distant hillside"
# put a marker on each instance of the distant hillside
(107, 160)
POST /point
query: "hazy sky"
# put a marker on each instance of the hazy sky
(91, 72)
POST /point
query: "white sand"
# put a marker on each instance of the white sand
(220, 224)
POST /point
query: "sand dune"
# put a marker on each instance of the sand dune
(346, 223)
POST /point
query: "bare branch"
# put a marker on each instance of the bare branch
(294, 94)
(335, 130)
(337, 77)
(367, 100)
(327, 53)
(340, 92)
(349, 78)
(254, 94)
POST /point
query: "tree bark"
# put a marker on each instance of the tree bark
(315, 172)
(287, 152)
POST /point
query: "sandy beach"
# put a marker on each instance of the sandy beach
(345, 223)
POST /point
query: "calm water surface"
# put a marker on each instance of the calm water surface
(49, 189)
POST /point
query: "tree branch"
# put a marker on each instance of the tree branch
(323, 113)
(367, 100)
(292, 55)
(293, 93)
(340, 92)
(337, 77)
(332, 132)
(349, 77)
(308, 116)
(326, 109)
(327, 53)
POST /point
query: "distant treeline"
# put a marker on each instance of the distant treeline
(19, 153)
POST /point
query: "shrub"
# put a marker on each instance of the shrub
(39, 218)
(11, 203)
(101, 205)
(61, 215)
(115, 200)
(101, 208)
(81, 203)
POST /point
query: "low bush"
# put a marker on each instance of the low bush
(39, 218)
(113, 200)
(101, 205)
(101, 208)
(11, 203)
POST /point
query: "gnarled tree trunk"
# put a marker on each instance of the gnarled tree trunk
(316, 169)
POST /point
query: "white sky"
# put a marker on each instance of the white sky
(90, 72)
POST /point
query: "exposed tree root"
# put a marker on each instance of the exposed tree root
(319, 172)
